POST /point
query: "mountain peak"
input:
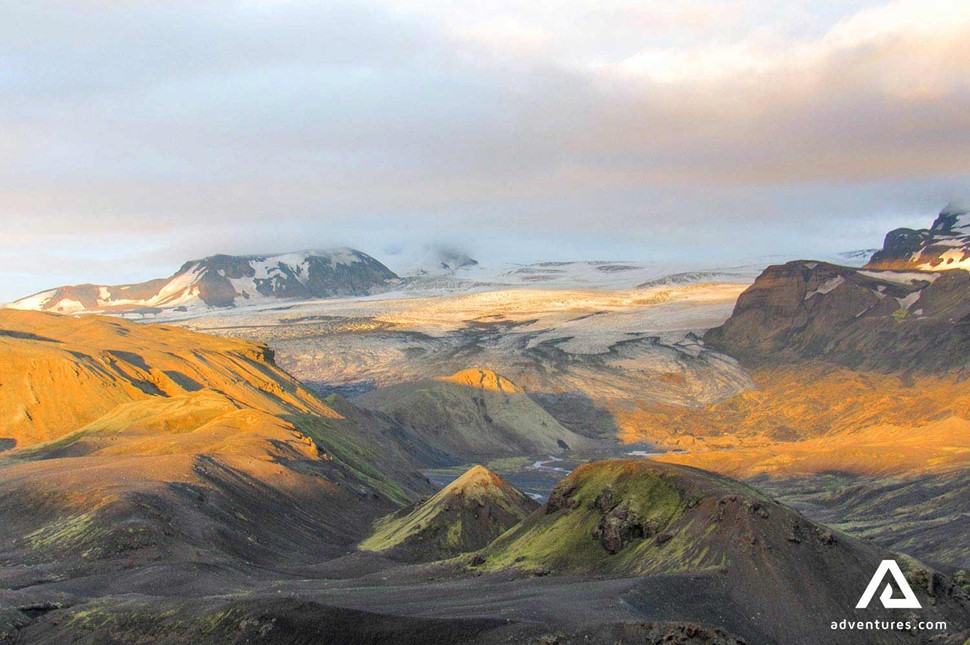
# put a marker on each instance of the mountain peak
(483, 378)
(474, 475)
(954, 219)
(945, 245)
(478, 482)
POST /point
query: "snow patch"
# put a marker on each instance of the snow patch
(827, 286)
(36, 301)
(951, 259)
(900, 277)
(908, 301)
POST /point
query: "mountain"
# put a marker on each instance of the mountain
(226, 281)
(945, 245)
(857, 318)
(464, 516)
(713, 551)
(859, 373)
(131, 444)
(474, 414)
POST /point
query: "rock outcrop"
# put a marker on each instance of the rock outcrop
(945, 245)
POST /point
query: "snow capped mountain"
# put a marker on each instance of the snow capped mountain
(226, 281)
(945, 245)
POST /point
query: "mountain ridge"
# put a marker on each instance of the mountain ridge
(225, 281)
(858, 318)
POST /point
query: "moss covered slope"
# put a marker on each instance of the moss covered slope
(640, 517)
(464, 516)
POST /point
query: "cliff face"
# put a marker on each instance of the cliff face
(857, 318)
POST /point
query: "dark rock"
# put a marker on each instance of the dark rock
(561, 498)
(604, 501)
(825, 536)
(906, 248)
(619, 527)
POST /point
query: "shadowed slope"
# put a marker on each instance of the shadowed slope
(474, 414)
(190, 478)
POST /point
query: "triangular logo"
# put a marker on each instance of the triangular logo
(908, 601)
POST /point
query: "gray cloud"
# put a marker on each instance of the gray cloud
(136, 135)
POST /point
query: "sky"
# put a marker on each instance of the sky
(137, 135)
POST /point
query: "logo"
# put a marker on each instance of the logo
(908, 601)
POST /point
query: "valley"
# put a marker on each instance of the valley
(558, 453)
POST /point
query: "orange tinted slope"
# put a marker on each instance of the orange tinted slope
(483, 378)
(799, 402)
(60, 373)
(939, 446)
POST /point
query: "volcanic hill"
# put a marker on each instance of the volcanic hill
(714, 551)
(464, 516)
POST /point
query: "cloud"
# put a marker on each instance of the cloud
(181, 129)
